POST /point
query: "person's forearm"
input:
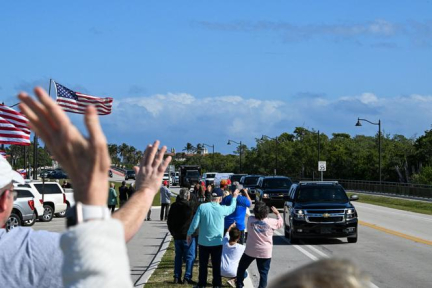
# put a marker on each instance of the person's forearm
(134, 211)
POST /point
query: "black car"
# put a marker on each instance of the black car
(58, 174)
(273, 190)
(320, 210)
(130, 174)
(250, 182)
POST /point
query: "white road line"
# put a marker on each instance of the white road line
(311, 256)
(318, 251)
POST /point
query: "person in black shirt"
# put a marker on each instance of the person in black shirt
(123, 191)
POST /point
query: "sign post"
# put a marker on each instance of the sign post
(322, 166)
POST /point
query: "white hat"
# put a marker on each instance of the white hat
(7, 175)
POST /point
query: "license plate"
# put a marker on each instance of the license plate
(325, 230)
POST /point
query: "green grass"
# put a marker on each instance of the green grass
(164, 273)
(402, 204)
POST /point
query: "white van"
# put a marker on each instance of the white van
(219, 176)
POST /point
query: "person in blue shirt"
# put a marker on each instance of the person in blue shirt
(239, 214)
(209, 218)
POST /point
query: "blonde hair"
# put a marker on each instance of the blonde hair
(327, 273)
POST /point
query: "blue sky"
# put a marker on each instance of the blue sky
(209, 71)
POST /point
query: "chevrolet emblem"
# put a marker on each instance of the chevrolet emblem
(326, 215)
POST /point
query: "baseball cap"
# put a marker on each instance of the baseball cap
(7, 175)
(217, 192)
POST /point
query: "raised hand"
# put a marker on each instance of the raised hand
(275, 211)
(151, 169)
(86, 160)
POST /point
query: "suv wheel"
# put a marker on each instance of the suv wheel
(61, 214)
(48, 213)
(353, 239)
(13, 221)
(30, 222)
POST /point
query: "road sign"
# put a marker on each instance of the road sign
(322, 165)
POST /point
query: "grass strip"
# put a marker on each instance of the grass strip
(396, 203)
(163, 276)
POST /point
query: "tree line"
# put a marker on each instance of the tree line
(406, 160)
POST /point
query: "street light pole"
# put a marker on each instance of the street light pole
(212, 154)
(379, 141)
(240, 151)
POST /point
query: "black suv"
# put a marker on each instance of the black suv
(130, 174)
(250, 182)
(320, 210)
(273, 190)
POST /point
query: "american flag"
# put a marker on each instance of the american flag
(76, 102)
(13, 127)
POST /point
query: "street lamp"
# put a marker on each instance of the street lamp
(277, 148)
(379, 141)
(240, 148)
(212, 153)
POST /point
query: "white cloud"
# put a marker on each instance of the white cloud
(178, 118)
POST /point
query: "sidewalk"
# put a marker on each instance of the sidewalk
(144, 246)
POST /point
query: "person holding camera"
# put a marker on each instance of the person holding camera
(239, 214)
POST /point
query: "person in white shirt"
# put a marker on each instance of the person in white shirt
(231, 254)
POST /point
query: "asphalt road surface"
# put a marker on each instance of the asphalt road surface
(386, 249)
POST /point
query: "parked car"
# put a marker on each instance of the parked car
(23, 210)
(208, 178)
(37, 203)
(219, 177)
(250, 182)
(273, 190)
(52, 195)
(236, 177)
(46, 173)
(320, 210)
(177, 178)
(130, 174)
(167, 177)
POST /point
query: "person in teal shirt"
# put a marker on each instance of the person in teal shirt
(112, 198)
(209, 218)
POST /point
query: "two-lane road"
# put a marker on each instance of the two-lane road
(387, 252)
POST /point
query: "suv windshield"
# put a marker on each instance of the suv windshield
(277, 183)
(321, 194)
(192, 173)
(210, 175)
(250, 180)
(130, 172)
(236, 178)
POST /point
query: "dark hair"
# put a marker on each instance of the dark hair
(261, 210)
(234, 234)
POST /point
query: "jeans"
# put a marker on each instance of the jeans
(263, 265)
(186, 253)
(216, 258)
(164, 208)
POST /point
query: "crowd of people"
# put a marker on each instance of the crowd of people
(93, 249)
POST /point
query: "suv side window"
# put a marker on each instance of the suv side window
(24, 193)
(48, 189)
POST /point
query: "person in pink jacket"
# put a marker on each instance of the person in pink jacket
(259, 243)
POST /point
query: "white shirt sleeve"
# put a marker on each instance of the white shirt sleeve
(95, 255)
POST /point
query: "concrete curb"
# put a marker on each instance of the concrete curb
(155, 262)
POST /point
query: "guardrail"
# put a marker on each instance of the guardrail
(394, 188)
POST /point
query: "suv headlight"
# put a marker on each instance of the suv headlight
(265, 196)
(299, 214)
(350, 213)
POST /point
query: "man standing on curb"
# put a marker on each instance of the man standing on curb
(179, 218)
(123, 191)
(209, 218)
(165, 198)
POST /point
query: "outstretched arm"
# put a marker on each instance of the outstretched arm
(149, 176)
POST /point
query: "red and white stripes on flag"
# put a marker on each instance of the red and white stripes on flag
(76, 102)
(13, 127)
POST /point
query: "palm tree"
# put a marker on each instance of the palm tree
(199, 148)
(123, 148)
(113, 151)
(189, 148)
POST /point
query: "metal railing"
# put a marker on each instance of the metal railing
(393, 188)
